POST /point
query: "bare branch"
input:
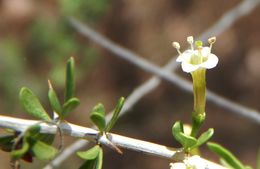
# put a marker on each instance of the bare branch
(137, 60)
(230, 17)
(172, 154)
(226, 21)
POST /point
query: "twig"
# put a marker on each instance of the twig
(230, 17)
(131, 100)
(137, 60)
(172, 154)
(220, 26)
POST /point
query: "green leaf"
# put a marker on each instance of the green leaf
(32, 105)
(69, 105)
(53, 99)
(34, 132)
(99, 108)
(114, 118)
(97, 116)
(90, 164)
(70, 84)
(100, 159)
(17, 154)
(226, 155)
(90, 154)
(98, 120)
(186, 141)
(6, 142)
(176, 129)
(46, 138)
(94, 157)
(204, 137)
(225, 164)
(43, 151)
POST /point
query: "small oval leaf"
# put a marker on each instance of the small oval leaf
(97, 116)
(99, 120)
(70, 84)
(32, 105)
(176, 129)
(204, 137)
(53, 99)
(90, 154)
(187, 141)
(70, 105)
(43, 151)
(99, 108)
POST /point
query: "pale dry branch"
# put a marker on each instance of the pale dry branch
(90, 134)
(226, 21)
(137, 60)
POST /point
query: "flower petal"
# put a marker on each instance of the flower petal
(186, 55)
(187, 67)
(177, 166)
(211, 62)
(195, 162)
(205, 51)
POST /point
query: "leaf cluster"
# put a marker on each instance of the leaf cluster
(94, 156)
(186, 140)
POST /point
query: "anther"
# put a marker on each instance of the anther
(177, 46)
(212, 40)
(190, 40)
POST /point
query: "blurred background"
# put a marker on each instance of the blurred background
(36, 39)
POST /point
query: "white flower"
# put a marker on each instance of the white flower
(202, 57)
(177, 166)
(195, 162)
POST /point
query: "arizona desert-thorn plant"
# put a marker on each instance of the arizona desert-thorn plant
(27, 139)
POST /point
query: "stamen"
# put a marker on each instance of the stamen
(190, 41)
(211, 41)
(177, 46)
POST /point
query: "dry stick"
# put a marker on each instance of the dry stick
(220, 26)
(241, 10)
(21, 125)
(131, 100)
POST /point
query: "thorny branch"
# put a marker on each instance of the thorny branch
(105, 139)
(226, 21)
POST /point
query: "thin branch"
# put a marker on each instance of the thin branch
(226, 21)
(137, 60)
(90, 134)
(131, 100)
(229, 18)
